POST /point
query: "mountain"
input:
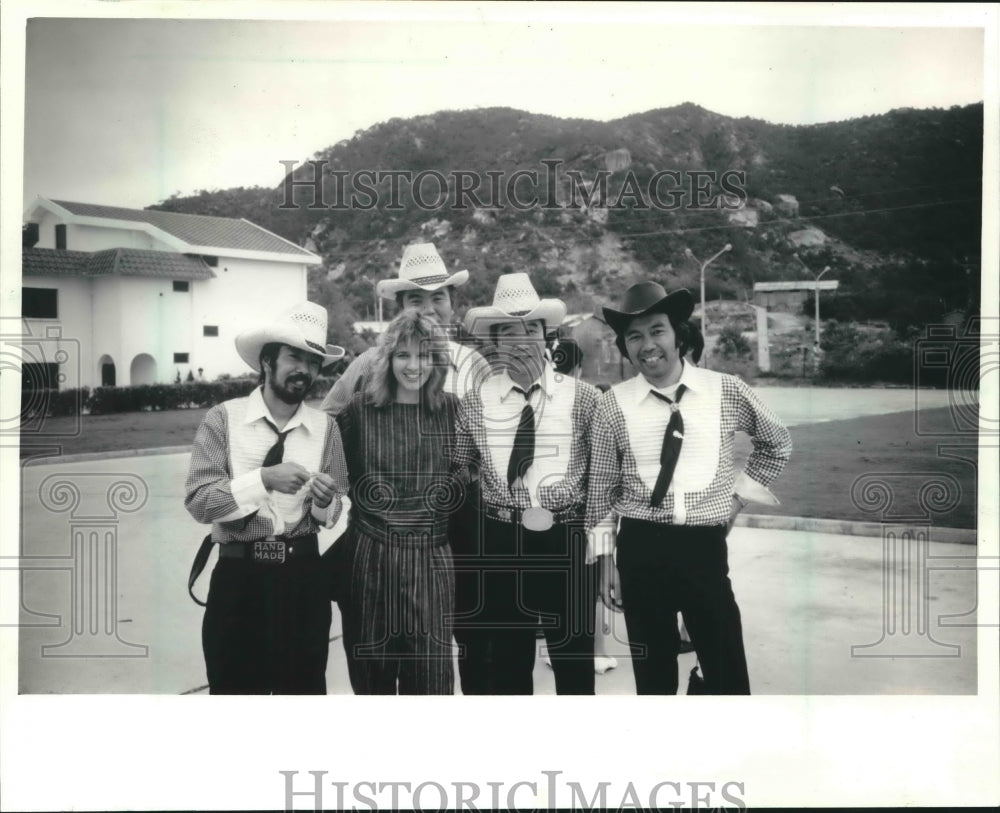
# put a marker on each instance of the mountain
(891, 203)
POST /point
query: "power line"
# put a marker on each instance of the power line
(811, 218)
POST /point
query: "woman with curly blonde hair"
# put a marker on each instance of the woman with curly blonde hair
(398, 435)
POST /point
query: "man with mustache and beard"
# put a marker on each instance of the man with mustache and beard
(267, 471)
(663, 493)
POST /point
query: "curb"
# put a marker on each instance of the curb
(51, 460)
(961, 536)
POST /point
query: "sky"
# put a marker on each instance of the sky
(128, 112)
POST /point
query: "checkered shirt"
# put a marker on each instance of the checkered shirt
(487, 423)
(224, 485)
(626, 437)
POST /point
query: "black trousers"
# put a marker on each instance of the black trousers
(666, 568)
(466, 538)
(522, 581)
(266, 628)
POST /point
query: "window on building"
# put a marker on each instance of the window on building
(61, 236)
(181, 358)
(182, 285)
(210, 330)
(37, 376)
(39, 303)
(29, 235)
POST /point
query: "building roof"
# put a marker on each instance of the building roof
(796, 285)
(195, 230)
(129, 262)
(47, 262)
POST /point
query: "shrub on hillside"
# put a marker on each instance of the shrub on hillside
(850, 354)
(732, 343)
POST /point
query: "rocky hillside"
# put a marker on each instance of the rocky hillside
(891, 203)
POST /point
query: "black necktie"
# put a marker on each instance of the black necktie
(523, 453)
(277, 452)
(673, 438)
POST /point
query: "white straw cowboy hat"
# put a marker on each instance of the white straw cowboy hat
(304, 327)
(515, 300)
(421, 269)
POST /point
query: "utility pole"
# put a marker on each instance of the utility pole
(816, 300)
(704, 313)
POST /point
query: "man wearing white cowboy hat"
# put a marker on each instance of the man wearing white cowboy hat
(662, 465)
(528, 428)
(267, 471)
(423, 283)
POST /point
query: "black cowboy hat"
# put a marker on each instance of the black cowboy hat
(644, 298)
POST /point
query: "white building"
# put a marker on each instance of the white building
(133, 296)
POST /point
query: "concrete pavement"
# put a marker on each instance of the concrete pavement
(107, 546)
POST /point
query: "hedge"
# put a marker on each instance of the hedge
(52, 403)
(145, 397)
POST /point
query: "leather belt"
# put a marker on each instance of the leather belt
(272, 550)
(523, 516)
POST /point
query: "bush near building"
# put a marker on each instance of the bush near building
(143, 398)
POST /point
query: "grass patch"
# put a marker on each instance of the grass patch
(829, 457)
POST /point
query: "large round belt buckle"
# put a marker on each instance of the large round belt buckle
(536, 519)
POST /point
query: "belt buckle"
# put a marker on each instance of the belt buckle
(269, 551)
(537, 519)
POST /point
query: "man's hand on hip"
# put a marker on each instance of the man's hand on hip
(735, 507)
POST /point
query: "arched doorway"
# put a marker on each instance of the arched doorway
(106, 371)
(143, 370)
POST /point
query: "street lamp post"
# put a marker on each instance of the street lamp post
(816, 300)
(377, 311)
(704, 312)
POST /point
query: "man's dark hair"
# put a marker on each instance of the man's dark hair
(696, 342)
(268, 356)
(567, 356)
(683, 337)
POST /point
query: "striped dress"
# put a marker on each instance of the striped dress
(398, 605)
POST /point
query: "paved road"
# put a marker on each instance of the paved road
(130, 627)
(800, 405)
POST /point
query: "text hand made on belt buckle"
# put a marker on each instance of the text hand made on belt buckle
(269, 550)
